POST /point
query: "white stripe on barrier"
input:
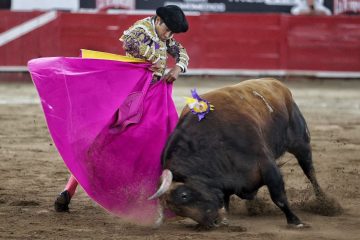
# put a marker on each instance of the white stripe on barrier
(4, 69)
(264, 72)
(26, 27)
(237, 72)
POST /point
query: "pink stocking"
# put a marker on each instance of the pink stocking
(71, 185)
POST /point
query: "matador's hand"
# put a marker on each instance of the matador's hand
(173, 74)
(155, 67)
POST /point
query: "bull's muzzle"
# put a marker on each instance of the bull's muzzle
(166, 180)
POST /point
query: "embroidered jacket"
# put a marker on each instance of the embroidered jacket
(141, 41)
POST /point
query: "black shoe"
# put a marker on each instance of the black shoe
(62, 202)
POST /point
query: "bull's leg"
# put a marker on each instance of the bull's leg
(299, 145)
(227, 202)
(303, 154)
(323, 205)
(273, 180)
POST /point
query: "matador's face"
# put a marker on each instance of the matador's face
(163, 32)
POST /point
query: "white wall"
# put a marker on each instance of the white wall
(73, 5)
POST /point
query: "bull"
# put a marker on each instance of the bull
(234, 151)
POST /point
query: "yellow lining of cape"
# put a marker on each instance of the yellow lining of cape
(108, 56)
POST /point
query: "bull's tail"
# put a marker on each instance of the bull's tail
(298, 125)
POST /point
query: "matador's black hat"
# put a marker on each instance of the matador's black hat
(174, 18)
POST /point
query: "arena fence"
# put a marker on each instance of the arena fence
(218, 44)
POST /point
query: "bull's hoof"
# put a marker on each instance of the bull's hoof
(298, 226)
(62, 201)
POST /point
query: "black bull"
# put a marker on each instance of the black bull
(233, 151)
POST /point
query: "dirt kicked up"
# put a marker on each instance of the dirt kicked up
(32, 174)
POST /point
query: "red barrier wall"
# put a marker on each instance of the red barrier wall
(38, 43)
(221, 41)
(325, 43)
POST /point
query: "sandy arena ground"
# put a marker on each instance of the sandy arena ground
(32, 174)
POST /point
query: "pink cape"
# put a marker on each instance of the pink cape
(110, 126)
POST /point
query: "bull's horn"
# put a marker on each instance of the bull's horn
(166, 179)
